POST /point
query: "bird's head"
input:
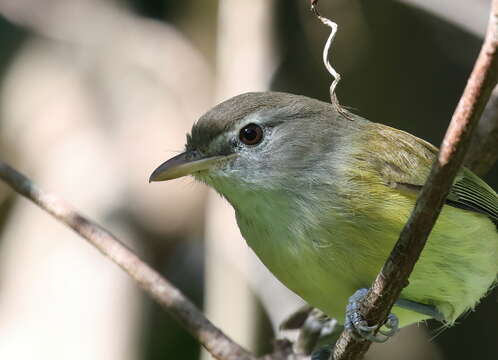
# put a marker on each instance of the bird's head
(258, 141)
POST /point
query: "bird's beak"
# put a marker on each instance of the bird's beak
(185, 164)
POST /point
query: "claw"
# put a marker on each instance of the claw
(360, 328)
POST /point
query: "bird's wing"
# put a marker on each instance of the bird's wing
(471, 193)
(407, 167)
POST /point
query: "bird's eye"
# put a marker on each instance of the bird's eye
(251, 134)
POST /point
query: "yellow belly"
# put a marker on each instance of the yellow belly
(325, 266)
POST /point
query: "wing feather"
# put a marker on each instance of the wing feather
(406, 168)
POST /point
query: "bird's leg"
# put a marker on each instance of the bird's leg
(424, 309)
(359, 326)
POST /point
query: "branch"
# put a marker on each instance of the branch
(394, 275)
(162, 291)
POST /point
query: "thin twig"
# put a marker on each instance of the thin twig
(326, 50)
(162, 291)
(394, 275)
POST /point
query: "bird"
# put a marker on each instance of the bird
(321, 194)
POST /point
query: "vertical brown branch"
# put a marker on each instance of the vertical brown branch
(394, 275)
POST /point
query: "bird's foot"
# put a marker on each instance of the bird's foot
(359, 326)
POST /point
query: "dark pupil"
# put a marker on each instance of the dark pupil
(250, 134)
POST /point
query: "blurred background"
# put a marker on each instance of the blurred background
(94, 94)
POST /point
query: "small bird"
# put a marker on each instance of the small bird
(321, 195)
